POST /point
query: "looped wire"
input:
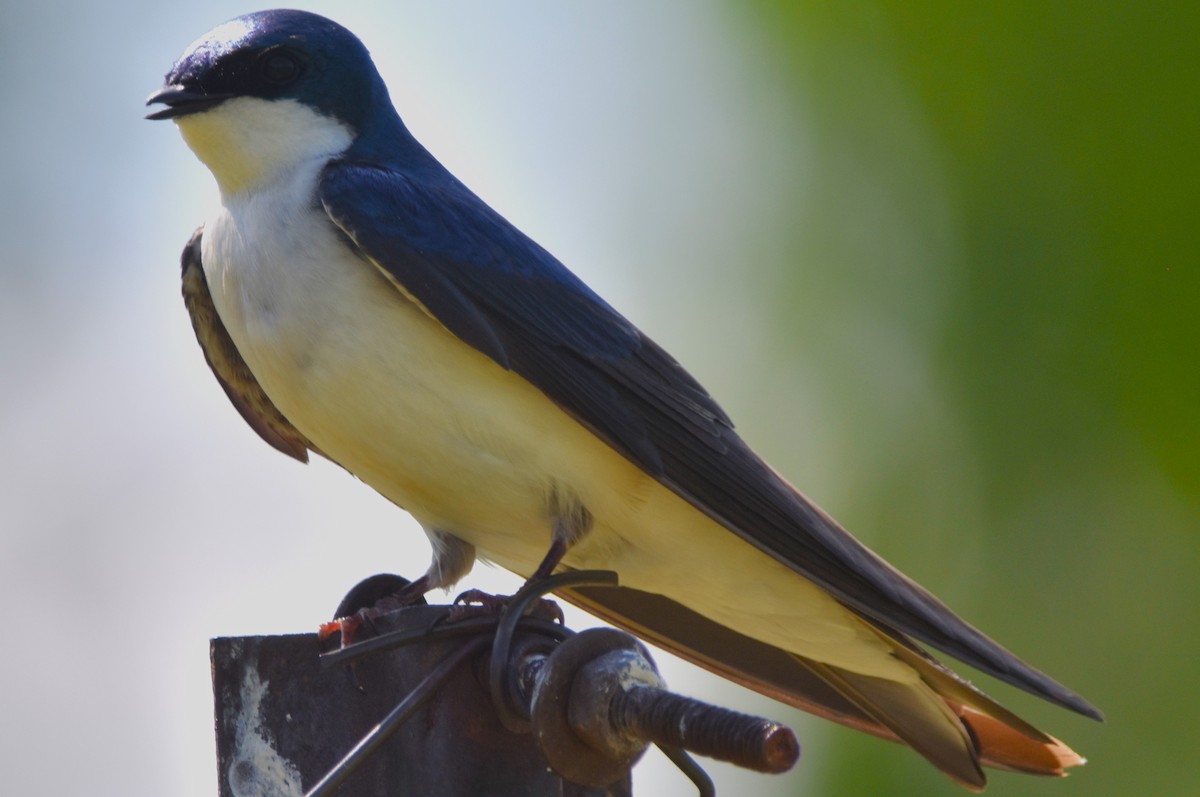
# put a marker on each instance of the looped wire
(502, 675)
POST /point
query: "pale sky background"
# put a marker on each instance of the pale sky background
(139, 516)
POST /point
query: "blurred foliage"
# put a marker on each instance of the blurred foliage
(993, 271)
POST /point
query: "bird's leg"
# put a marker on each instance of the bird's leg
(452, 559)
(488, 601)
(348, 626)
(571, 522)
(558, 549)
(475, 602)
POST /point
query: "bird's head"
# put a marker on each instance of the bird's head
(268, 91)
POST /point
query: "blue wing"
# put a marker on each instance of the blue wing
(500, 292)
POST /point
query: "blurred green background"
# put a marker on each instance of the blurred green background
(938, 260)
(1001, 279)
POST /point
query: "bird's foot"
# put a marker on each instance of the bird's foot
(367, 602)
(477, 603)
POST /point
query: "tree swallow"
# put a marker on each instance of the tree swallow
(356, 300)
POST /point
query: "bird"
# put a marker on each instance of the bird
(358, 302)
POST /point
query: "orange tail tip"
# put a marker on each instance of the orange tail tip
(1007, 748)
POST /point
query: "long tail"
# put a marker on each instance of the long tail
(1004, 740)
(948, 721)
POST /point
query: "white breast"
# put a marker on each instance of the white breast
(377, 384)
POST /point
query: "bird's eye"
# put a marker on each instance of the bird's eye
(279, 67)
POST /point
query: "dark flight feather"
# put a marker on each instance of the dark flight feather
(227, 365)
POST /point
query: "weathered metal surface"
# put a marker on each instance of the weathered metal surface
(282, 723)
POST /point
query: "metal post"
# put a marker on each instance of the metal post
(283, 722)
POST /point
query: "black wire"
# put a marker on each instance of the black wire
(688, 766)
(502, 679)
(395, 718)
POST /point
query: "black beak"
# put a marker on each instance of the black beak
(181, 102)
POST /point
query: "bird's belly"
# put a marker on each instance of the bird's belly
(386, 391)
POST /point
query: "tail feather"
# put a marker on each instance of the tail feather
(957, 691)
(917, 715)
(1003, 739)
(1003, 747)
(943, 717)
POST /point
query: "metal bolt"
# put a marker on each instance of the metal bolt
(598, 702)
(678, 721)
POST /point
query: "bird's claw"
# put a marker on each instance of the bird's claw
(369, 600)
(477, 603)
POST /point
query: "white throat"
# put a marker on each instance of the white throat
(247, 142)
